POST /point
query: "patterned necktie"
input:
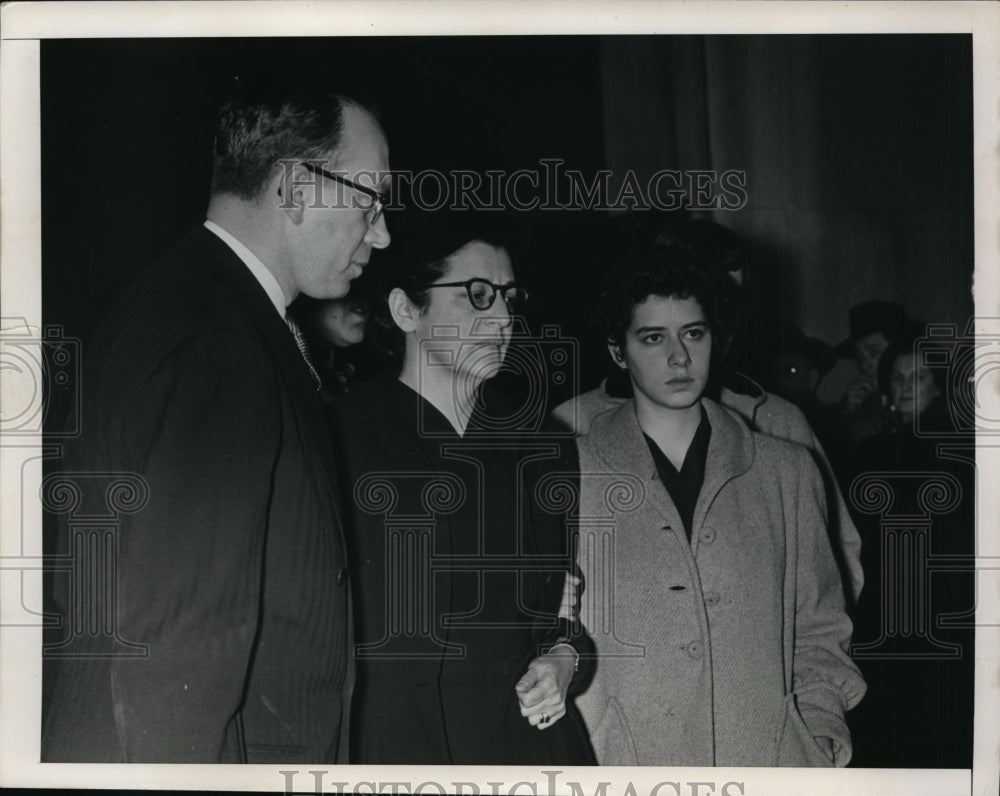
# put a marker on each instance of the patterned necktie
(300, 341)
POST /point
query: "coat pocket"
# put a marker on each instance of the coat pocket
(612, 738)
(795, 746)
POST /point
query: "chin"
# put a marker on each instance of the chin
(483, 370)
(682, 401)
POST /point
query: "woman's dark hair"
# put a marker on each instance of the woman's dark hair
(671, 271)
(421, 246)
(668, 272)
(904, 344)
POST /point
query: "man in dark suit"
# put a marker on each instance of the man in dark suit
(224, 632)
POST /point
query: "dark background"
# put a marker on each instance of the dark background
(857, 151)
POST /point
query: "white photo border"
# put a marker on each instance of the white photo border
(25, 24)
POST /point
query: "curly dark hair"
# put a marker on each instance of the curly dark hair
(668, 272)
(671, 271)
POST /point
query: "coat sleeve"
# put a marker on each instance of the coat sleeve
(825, 680)
(843, 534)
(191, 561)
(570, 629)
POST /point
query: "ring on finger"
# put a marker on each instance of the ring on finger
(544, 719)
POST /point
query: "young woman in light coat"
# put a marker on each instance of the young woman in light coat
(711, 590)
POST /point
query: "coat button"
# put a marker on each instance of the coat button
(707, 535)
(695, 649)
(711, 598)
(342, 576)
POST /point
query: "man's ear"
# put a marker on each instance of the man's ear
(616, 354)
(292, 185)
(403, 312)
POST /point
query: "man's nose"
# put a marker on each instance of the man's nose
(378, 236)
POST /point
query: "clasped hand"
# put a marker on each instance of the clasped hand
(542, 688)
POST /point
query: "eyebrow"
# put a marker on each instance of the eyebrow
(661, 328)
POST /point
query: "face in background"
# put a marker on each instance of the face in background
(798, 376)
(470, 344)
(912, 386)
(342, 321)
(332, 243)
(867, 350)
(667, 351)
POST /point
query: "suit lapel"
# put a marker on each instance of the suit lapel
(257, 307)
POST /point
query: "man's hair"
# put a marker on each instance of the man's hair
(266, 120)
(669, 272)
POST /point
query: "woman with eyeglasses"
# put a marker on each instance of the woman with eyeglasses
(459, 530)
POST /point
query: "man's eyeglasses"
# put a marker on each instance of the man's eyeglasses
(482, 293)
(378, 200)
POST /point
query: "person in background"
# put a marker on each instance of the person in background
(797, 365)
(720, 252)
(712, 593)
(459, 560)
(914, 624)
(335, 330)
(873, 326)
(229, 612)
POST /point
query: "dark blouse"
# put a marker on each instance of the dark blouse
(684, 486)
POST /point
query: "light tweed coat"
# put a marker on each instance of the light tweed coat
(728, 650)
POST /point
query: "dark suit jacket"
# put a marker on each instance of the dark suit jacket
(436, 684)
(231, 612)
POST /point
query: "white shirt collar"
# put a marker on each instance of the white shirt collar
(257, 268)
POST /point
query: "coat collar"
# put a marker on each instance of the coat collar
(618, 439)
(743, 395)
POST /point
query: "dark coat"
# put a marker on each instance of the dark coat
(915, 500)
(232, 624)
(427, 683)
